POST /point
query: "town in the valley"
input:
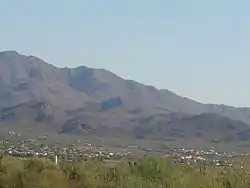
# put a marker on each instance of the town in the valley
(85, 150)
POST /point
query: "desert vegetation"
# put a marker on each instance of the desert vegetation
(147, 172)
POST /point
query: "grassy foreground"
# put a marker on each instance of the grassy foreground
(142, 173)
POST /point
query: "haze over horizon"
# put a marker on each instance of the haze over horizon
(196, 49)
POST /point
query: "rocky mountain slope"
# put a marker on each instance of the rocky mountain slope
(93, 101)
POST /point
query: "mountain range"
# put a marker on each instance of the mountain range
(90, 101)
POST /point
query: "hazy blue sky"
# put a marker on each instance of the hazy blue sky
(196, 48)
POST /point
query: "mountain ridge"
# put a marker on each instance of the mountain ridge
(86, 98)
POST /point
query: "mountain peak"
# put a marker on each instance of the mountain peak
(9, 52)
(29, 76)
(97, 97)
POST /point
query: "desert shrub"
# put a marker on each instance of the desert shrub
(31, 173)
(147, 172)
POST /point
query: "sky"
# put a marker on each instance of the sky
(196, 48)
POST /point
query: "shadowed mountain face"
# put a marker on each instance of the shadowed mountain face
(65, 99)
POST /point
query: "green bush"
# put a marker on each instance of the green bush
(148, 172)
